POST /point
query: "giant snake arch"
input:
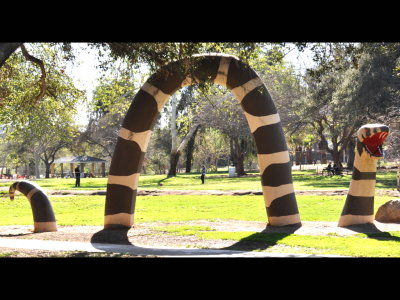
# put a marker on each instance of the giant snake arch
(258, 108)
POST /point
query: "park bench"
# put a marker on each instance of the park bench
(347, 171)
(326, 172)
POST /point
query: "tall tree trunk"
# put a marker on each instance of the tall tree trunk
(351, 155)
(47, 174)
(174, 157)
(173, 163)
(37, 162)
(189, 151)
(237, 156)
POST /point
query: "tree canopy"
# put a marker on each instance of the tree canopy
(349, 85)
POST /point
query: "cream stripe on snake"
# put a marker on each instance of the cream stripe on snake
(160, 97)
(223, 69)
(255, 122)
(141, 138)
(277, 192)
(265, 160)
(241, 91)
(130, 181)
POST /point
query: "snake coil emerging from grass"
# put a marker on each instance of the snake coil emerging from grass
(359, 205)
(43, 215)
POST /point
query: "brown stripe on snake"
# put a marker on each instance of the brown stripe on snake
(142, 113)
(239, 74)
(259, 111)
(276, 175)
(255, 102)
(131, 157)
(42, 211)
(359, 204)
(272, 137)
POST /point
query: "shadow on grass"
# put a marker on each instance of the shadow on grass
(371, 231)
(265, 239)
(17, 234)
(160, 182)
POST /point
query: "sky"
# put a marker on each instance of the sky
(85, 74)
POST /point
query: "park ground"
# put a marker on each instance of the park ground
(196, 233)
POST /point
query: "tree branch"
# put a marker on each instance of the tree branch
(40, 63)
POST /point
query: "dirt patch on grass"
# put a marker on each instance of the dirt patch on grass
(156, 234)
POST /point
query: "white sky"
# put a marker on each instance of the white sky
(84, 74)
(301, 60)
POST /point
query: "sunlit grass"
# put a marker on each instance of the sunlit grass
(302, 180)
(89, 210)
(355, 246)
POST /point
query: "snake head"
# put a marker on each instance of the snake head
(372, 137)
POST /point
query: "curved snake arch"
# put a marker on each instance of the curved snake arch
(43, 215)
(259, 110)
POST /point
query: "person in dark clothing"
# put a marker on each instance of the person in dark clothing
(77, 177)
(203, 174)
(329, 169)
(336, 170)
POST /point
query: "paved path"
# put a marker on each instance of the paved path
(141, 251)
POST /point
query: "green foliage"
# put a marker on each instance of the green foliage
(19, 81)
(156, 55)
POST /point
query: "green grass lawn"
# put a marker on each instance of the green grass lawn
(89, 210)
(303, 180)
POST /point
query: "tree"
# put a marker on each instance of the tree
(180, 124)
(220, 110)
(158, 151)
(30, 76)
(38, 116)
(45, 133)
(213, 146)
(352, 85)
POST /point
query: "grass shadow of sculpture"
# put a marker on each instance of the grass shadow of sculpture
(371, 231)
(265, 239)
(120, 236)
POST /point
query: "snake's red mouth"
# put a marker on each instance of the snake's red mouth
(373, 143)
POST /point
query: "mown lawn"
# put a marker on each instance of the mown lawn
(303, 180)
(89, 210)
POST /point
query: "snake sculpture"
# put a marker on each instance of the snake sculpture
(43, 215)
(359, 205)
(265, 126)
(259, 110)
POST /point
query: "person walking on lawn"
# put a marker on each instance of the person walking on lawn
(77, 177)
(203, 174)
